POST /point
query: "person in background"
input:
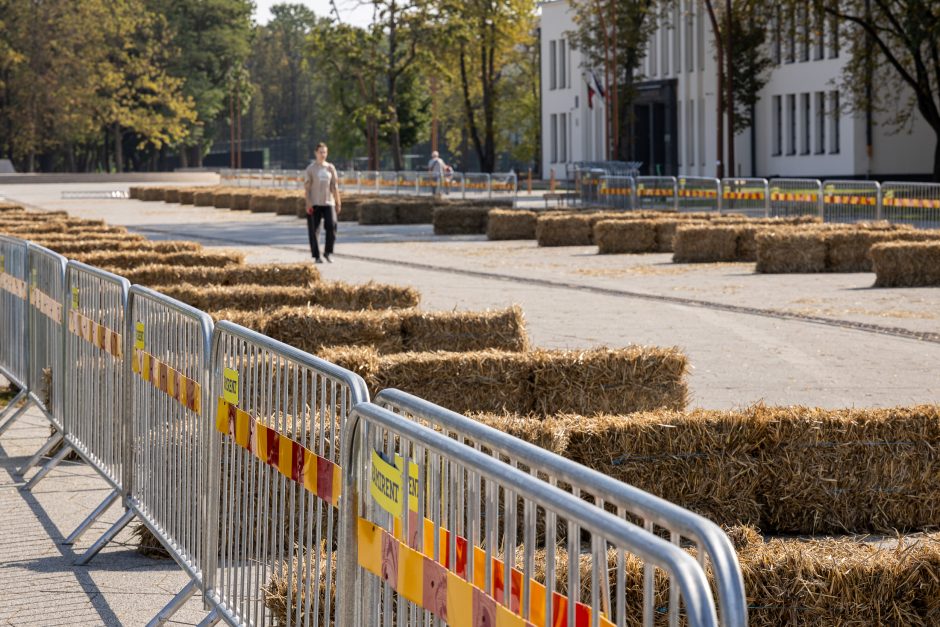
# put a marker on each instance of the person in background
(321, 184)
(438, 169)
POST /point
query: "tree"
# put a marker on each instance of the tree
(894, 44)
(612, 35)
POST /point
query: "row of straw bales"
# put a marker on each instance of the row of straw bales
(786, 470)
(906, 264)
(543, 382)
(313, 329)
(331, 295)
(289, 275)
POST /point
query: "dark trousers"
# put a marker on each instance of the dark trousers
(326, 214)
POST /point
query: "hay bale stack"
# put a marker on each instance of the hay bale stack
(172, 194)
(77, 246)
(625, 236)
(222, 199)
(418, 211)
(851, 470)
(241, 201)
(290, 204)
(124, 260)
(571, 229)
(51, 240)
(503, 224)
(188, 196)
(254, 320)
(706, 244)
(295, 274)
(263, 202)
(204, 198)
(603, 380)
(152, 194)
(464, 330)
(378, 212)
(906, 264)
(133, 192)
(460, 220)
(332, 295)
(747, 242)
(311, 329)
(849, 250)
(789, 250)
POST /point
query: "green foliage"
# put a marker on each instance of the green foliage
(750, 63)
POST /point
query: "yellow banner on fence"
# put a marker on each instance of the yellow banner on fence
(386, 487)
(230, 386)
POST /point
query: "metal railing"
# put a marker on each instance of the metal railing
(712, 546)
(14, 303)
(917, 204)
(274, 481)
(617, 192)
(851, 201)
(796, 197)
(699, 193)
(657, 193)
(438, 528)
(745, 196)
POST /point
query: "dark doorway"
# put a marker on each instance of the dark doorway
(654, 138)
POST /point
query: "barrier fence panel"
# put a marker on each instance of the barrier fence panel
(657, 193)
(699, 193)
(917, 204)
(93, 417)
(851, 201)
(503, 185)
(795, 197)
(428, 183)
(349, 181)
(587, 183)
(167, 406)
(435, 529)
(408, 183)
(712, 545)
(476, 184)
(618, 192)
(388, 182)
(13, 322)
(46, 320)
(274, 476)
(369, 182)
(745, 196)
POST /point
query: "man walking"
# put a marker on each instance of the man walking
(321, 184)
(437, 168)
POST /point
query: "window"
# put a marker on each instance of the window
(791, 124)
(819, 33)
(679, 128)
(562, 65)
(805, 123)
(690, 134)
(563, 134)
(833, 37)
(776, 115)
(775, 26)
(676, 31)
(700, 35)
(552, 65)
(805, 29)
(820, 122)
(835, 114)
(553, 127)
(689, 37)
(701, 131)
(791, 35)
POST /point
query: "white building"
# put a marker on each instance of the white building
(800, 129)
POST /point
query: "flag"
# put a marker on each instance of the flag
(590, 97)
(597, 85)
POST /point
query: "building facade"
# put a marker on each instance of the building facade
(801, 125)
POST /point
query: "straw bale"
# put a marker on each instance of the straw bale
(348, 213)
(363, 360)
(419, 211)
(254, 320)
(286, 589)
(705, 244)
(855, 470)
(571, 229)
(151, 194)
(295, 274)
(241, 201)
(187, 196)
(331, 295)
(264, 202)
(378, 212)
(906, 264)
(313, 328)
(172, 194)
(222, 199)
(848, 251)
(495, 381)
(788, 250)
(460, 220)
(603, 380)
(464, 330)
(133, 192)
(746, 249)
(505, 224)
(625, 236)
(51, 240)
(289, 205)
(84, 245)
(124, 260)
(204, 198)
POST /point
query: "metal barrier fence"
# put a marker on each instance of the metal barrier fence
(745, 196)
(476, 184)
(711, 545)
(587, 185)
(617, 192)
(658, 193)
(851, 201)
(795, 197)
(504, 184)
(699, 193)
(274, 478)
(168, 399)
(917, 204)
(441, 531)
(14, 301)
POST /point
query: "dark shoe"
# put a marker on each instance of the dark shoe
(328, 258)
(317, 260)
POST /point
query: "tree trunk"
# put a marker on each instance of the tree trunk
(118, 148)
(720, 130)
(936, 157)
(729, 77)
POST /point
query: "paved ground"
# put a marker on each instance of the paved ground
(747, 335)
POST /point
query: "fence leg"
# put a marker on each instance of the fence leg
(107, 537)
(211, 619)
(45, 470)
(48, 446)
(174, 605)
(92, 517)
(19, 412)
